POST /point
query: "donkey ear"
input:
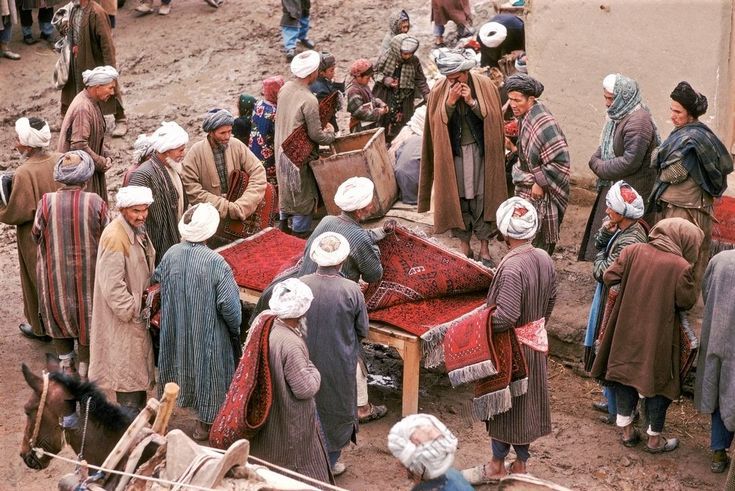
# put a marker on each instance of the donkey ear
(52, 363)
(32, 379)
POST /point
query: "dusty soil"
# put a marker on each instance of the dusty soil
(198, 58)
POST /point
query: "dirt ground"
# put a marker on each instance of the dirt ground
(178, 67)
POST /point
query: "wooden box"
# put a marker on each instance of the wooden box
(361, 154)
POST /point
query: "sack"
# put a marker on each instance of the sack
(61, 69)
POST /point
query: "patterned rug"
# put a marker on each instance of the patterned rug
(468, 353)
(298, 147)
(723, 228)
(255, 261)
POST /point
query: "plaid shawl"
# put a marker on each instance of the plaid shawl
(702, 153)
(544, 159)
(391, 60)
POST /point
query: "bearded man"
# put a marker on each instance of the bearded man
(31, 180)
(162, 174)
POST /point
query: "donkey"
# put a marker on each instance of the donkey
(68, 406)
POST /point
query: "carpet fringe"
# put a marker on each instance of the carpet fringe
(519, 387)
(432, 345)
(471, 373)
(489, 405)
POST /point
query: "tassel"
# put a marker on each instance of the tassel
(519, 387)
(432, 345)
(492, 404)
(291, 172)
(471, 373)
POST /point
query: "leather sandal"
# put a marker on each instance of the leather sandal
(376, 412)
(720, 461)
(477, 475)
(670, 444)
(632, 441)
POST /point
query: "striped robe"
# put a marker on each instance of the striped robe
(162, 223)
(200, 314)
(524, 290)
(67, 230)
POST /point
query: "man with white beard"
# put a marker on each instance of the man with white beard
(161, 172)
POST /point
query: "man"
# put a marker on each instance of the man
(337, 321)
(8, 17)
(90, 38)
(463, 155)
(209, 163)
(622, 228)
(628, 138)
(84, 125)
(715, 384)
(67, 230)
(297, 190)
(295, 26)
(693, 166)
(33, 178)
(503, 34)
(541, 174)
(162, 174)
(523, 292)
(458, 11)
(121, 351)
(200, 318)
(45, 14)
(324, 85)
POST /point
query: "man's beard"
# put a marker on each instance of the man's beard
(177, 166)
(222, 146)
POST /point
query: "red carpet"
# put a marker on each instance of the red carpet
(723, 229)
(468, 353)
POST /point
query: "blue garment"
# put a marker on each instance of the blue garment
(612, 404)
(299, 223)
(291, 34)
(453, 480)
(721, 437)
(501, 450)
(7, 31)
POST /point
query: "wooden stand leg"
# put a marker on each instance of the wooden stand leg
(411, 367)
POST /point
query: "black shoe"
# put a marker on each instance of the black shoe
(27, 331)
(306, 43)
(290, 55)
(29, 40)
(600, 406)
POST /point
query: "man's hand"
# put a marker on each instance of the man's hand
(467, 95)
(107, 164)
(509, 145)
(455, 93)
(329, 128)
(389, 226)
(537, 192)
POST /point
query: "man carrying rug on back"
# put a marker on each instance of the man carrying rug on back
(523, 293)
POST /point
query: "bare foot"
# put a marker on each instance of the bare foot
(517, 467)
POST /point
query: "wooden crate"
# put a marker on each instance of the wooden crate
(361, 154)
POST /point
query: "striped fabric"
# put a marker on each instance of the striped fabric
(67, 229)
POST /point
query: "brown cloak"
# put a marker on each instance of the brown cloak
(442, 11)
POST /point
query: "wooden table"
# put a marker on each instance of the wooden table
(407, 345)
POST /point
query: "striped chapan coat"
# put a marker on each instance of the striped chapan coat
(67, 229)
(200, 315)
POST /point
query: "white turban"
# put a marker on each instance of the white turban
(608, 83)
(291, 299)
(203, 222)
(450, 61)
(305, 63)
(101, 75)
(623, 199)
(421, 454)
(134, 196)
(416, 123)
(142, 148)
(493, 34)
(30, 136)
(329, 249)
(354, 194)
(514, 222)
(169, 136)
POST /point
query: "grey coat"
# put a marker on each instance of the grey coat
(293, 10)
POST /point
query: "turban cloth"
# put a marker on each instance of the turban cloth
(450, 61)
(101, 75)
(168, 137)
(526, 85)
(291, 299)
(354, 194)
(694, 102)
(142, 148)
(361, 67)
(271, 86)
(245, 105)
(429, 455)
(624, 200)
(416, 123)
(326, 60)
(329, 249)
(305, 63)
(409, 45)
(30, 136)
(203, 222)
(517, 219)
(74, 168)
(493, 34)
(134, 196)
(608, 83)
(216, 118)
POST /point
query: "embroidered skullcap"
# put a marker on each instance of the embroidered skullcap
(326, 60)
(624, 200)
(493, 34)
(409, 44)
(525, 84)
(199, 222)
(517, 219)
(329, 249)
(134, 196)
(142, 148)
(168, 137)
(291, 299)
(354, 194)
(694, 102)
(361, 67)
(245, 104)
(216, 118)
(608, 83)
(305, 63)
(30, 136)
(74, 168)
(450, 61)
(271, 86)
(101, 75)
(423, 444)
